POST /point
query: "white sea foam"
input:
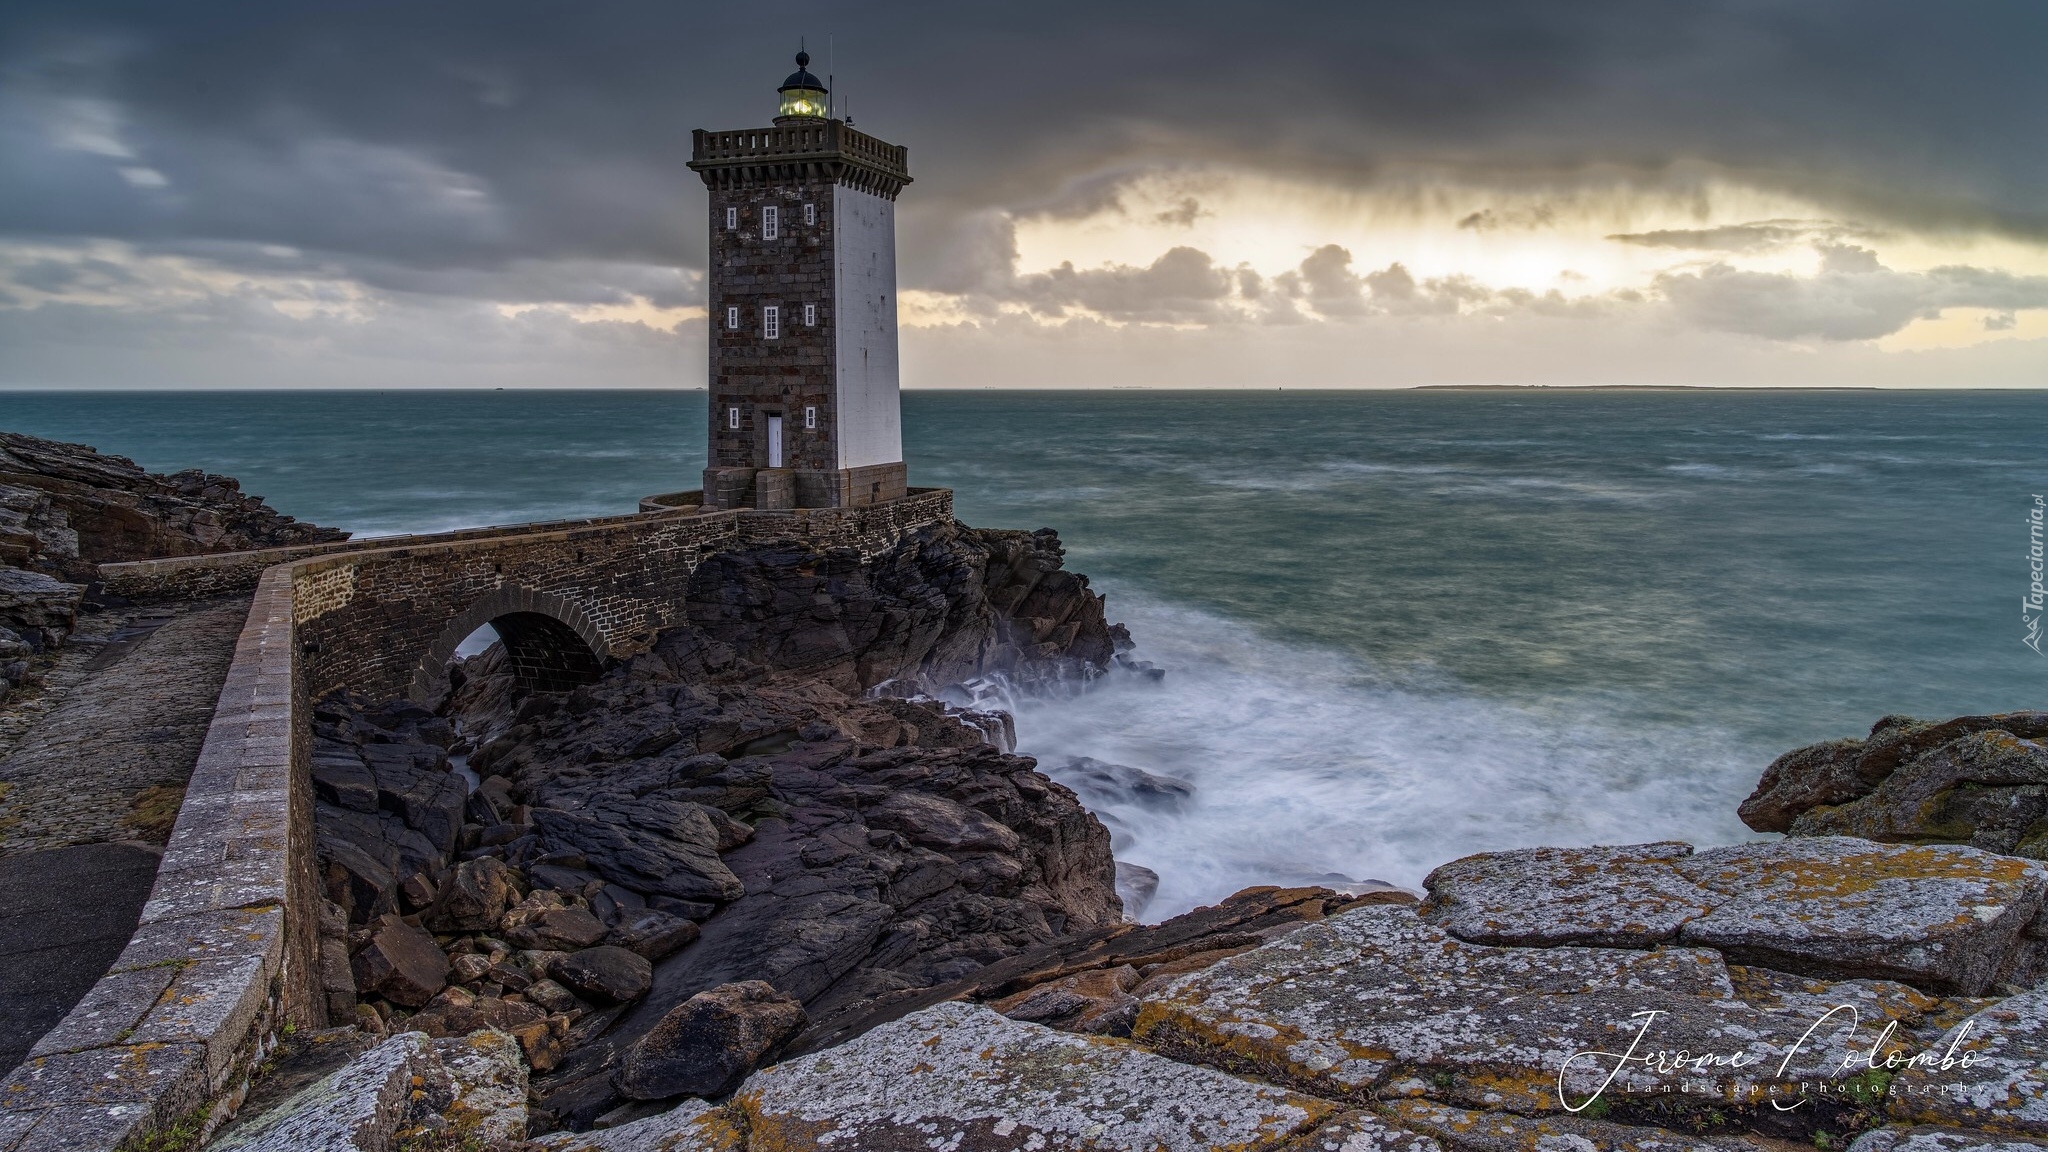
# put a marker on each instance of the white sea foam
(1308, 766)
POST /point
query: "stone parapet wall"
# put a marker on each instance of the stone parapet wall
(220, 573)
(226, 953)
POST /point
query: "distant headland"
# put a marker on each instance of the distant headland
(1636, 388)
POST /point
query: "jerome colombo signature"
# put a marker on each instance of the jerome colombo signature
(1678, 1061)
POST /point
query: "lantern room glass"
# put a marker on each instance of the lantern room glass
(808, 102)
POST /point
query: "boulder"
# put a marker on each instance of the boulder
(652, 933)
(406, 1090)
(475, 898)
(400, 963)
(544, 921)
(1978, 780)
(706, 1044)
(550, 997)
(607, 974)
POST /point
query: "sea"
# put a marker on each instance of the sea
(1398, 627)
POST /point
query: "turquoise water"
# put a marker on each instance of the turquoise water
(1400, 626)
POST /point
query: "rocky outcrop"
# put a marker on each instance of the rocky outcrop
(705, 1045)
(1978, 780)
(756, 802)
(962, 1076)
(408, 1092)
(37, 613)
(65, 509)
(1395, 1026)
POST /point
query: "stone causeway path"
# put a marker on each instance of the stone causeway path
(92, 768)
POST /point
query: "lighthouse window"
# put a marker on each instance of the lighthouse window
(810, 213)
(810, 417)
(810, 315)
(732, 418)
(771, 323)
(771, 222)
(732, 316)
(732, 218)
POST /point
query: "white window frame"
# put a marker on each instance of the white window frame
(771, 323)
(771, 222)
(732, 418)
(732, 316)
(810, 315)
(732, 219)
(810, 213)
(810, 417)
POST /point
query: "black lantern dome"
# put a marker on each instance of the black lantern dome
(803, 95)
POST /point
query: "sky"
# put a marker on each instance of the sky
(1361, 194)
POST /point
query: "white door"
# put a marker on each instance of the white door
(775, 441)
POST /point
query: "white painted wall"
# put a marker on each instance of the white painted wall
(864, 288)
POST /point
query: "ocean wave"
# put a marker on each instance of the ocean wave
(1309, 764)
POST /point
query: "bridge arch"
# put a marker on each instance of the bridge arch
(551, 642)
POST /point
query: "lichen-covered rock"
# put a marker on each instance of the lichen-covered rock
(1934, 1139)
(965, 1077)
(1376, 1003)
(1627, 897)
(1978, 780)
(706, 1044)
(691, 1126)
(1943, 918)
(472, 1088)
(1990, 1072)
(1465, 1131)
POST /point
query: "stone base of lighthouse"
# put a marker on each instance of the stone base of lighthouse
(769, 488)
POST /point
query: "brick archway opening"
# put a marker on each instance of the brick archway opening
(550, 643)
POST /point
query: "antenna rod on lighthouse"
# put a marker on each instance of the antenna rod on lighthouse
(831, 77)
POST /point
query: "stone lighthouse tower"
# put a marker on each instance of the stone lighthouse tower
(802, 294)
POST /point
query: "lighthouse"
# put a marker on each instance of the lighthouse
(802, 298)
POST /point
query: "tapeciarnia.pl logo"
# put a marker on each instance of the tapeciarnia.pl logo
(2031, 606)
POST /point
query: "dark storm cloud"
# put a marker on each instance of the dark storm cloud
(1758, 236)
(462, 135)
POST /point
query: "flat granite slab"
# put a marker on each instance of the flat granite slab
(1377, 1004)
(1943, 918)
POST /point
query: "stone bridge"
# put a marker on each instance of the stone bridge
(383, 617)
(228, 951)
